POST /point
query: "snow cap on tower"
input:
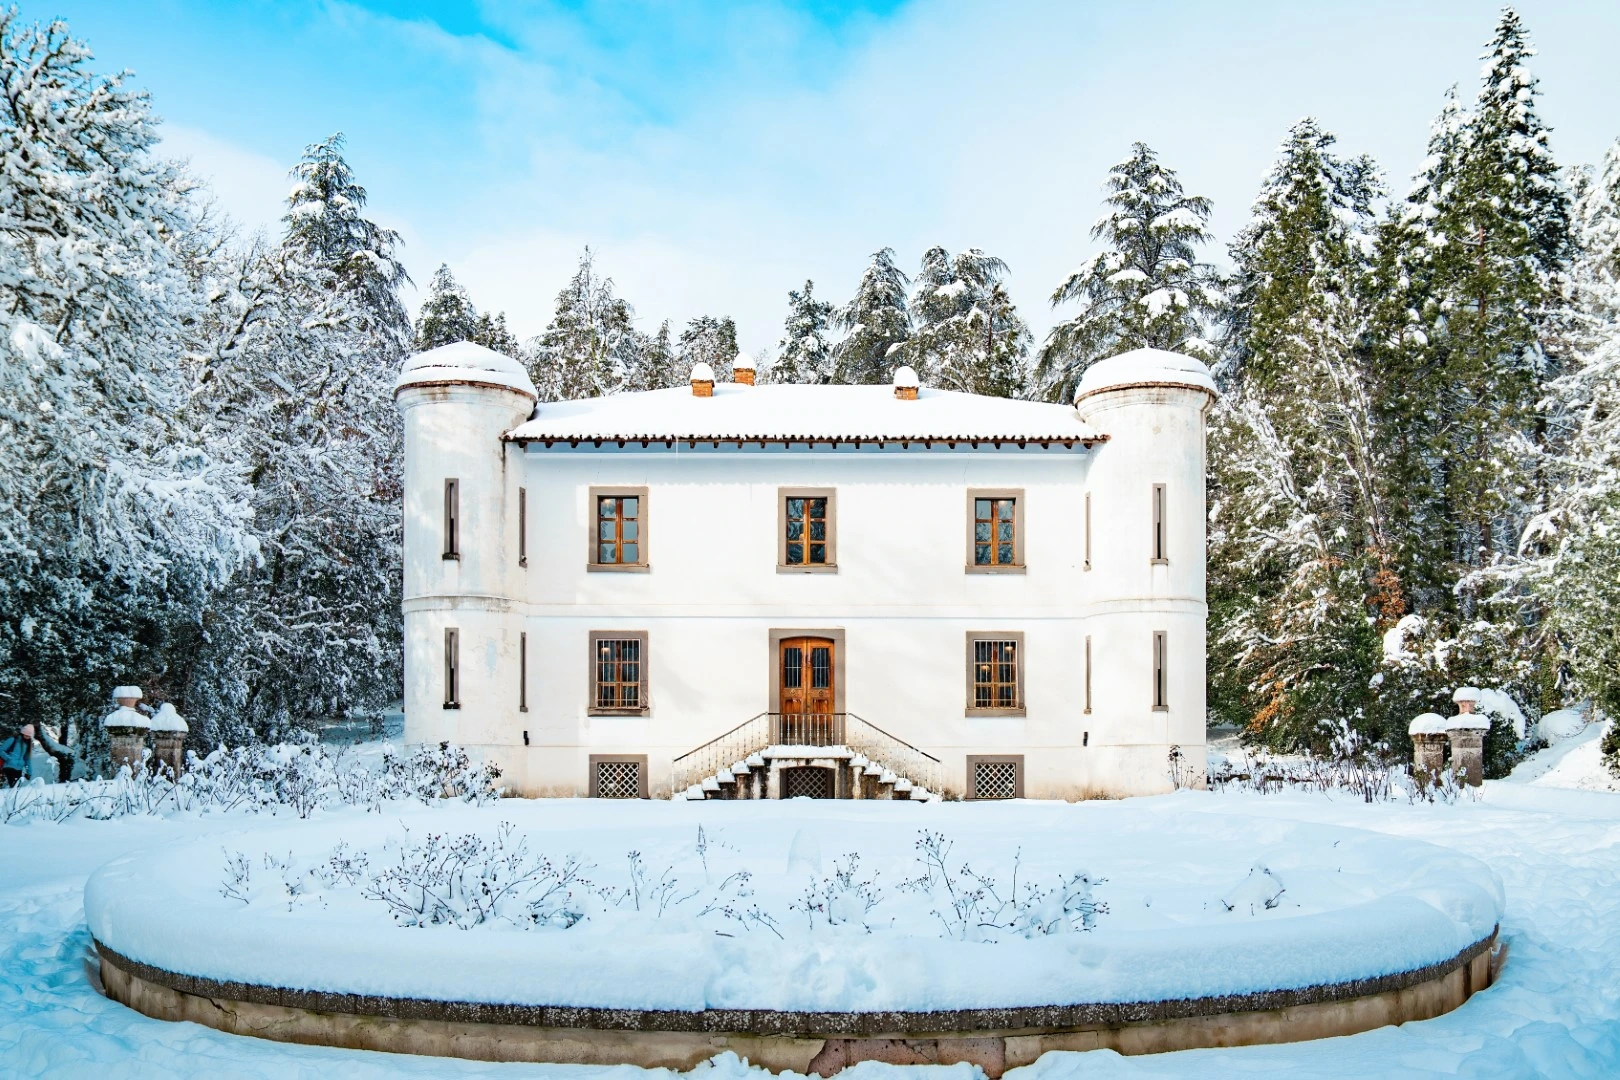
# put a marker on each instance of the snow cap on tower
(466, 364)
(1144, 367)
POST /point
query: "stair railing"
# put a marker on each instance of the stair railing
(748, 737)
(891, 752)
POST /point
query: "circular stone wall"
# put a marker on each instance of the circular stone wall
(694, 928)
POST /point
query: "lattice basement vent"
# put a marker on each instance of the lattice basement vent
(618, 779)
(995, 779)
(809, 781)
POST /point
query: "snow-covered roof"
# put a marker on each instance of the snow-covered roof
(464, 362)
(124, 716)
(1428, 724)
(799, 413)
(1144, 367)
(167, 719)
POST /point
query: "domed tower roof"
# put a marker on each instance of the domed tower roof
(1144, 367)
(464, 363)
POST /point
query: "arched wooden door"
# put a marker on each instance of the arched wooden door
(807, 701)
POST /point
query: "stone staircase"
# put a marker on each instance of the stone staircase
(822, 755)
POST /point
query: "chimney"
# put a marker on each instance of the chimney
(702, 380)
(742, 370)
(905, 383)
(1465, 698)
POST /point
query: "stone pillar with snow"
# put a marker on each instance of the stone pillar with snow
(169, 741)
(1467, 731)
(1428, 747)
(127, 729)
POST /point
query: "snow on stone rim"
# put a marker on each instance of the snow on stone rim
(1144, 367)
(798, 412)
(463, 361)
(1356, 905)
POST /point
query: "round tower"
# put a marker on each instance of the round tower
(1143, 599)
(464, 576)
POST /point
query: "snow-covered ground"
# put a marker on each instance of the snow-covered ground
(1575, 762)
(1555, 1011)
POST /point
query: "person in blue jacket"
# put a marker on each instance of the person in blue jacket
(15, 750)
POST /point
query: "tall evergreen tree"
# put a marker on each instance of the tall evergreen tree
(804, 355)
(325, 221)
(966, 333)
(875, 323)
(491, 332)
(659, 367)
(590, 346)
(447, 315)
(1146, 288)
(712, 341)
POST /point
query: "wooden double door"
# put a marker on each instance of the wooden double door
(807, 701)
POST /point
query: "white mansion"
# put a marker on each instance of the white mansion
(744, 591)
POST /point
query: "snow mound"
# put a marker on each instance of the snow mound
(1144, 367)
(1428, 724)
(464, 362)
(1561, 724)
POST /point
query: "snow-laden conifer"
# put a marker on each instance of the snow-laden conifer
(805, 354)
(874, 323)
(966, 333)
(1146, 287)
(712, 341)
(590, 346)
(447, 315)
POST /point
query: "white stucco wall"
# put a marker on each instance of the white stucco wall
(901, 599)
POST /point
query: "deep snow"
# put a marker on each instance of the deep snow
(1555, 1011)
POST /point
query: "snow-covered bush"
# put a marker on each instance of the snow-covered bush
(977, 907)
(845, 898)
(1261, 891)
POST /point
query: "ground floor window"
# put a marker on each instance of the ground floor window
(622, 777)
(995, 777)
(618, 672)
(995, 673)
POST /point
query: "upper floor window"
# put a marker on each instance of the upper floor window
(1160, 542)
(996, 673)
(995, 530)
(452, 519)
(1160, 675)
(805, 530)
(523, 526)
(618, 529)
(1086, 564)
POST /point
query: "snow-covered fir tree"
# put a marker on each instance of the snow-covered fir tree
(1146, 287)
(966, 335)
(712, 341)
(447, 315)
(491, 332)
(805, 354)
(590, 346)
(326, 221)
(658, 366)
(1301, 578)
(874, 323)
(116, 521)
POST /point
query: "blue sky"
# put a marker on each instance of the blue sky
(716, 155)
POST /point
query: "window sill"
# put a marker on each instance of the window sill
(1016, 568)
(971, 713)
(452, 704)
(617, 712)
(807, 568)
(451, 556)
(523, 563)
(1161, 708)
(1159, 562)
(617, 568)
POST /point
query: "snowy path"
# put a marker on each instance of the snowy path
(1556, 1011)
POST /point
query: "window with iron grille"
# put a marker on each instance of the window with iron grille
(995, 530)
(806, 541)
(995, 778)
(995, 673)
(618, 530)
(617, 780)
(618, 672)
(807, 781)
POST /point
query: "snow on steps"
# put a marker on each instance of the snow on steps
(901, 787)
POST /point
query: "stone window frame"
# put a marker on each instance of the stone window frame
(1015, 636)
(523, 527)
(642, 565)
(451, 524)
(1086, 559)
(640, 760)
(1017, 496)
(1159, 538)
(1161, 671)
(591, 707)
(970, 792)
(783, 494)
(452, 667)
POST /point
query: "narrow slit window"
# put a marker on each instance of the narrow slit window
(523, 526)
(1159, 547)
(452, 668)
(452, 519)
(1087, 530)
(523, 672)
(1159, 699)
(1088, 673)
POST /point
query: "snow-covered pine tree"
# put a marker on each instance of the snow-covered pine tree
(804, 355)
(1301, 584)
(590, 346)
(490, 331)
(874, 323)
(1146, 287)
(325, 221)
(447, 315)
(711, 341)
(659, 367)
(966, 334)
(116, 523)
